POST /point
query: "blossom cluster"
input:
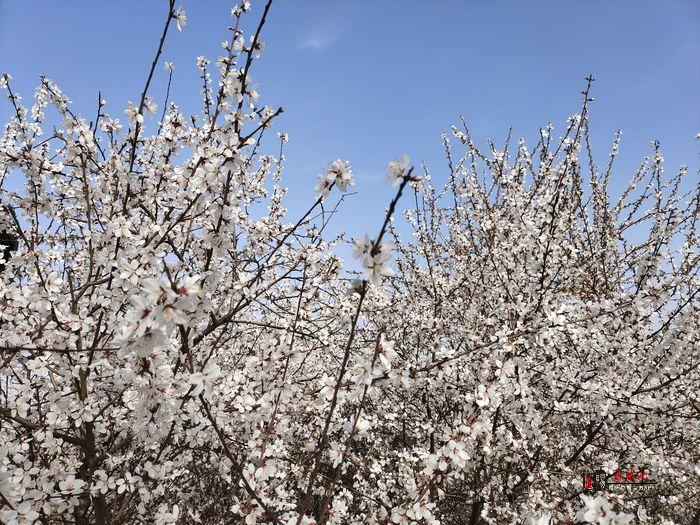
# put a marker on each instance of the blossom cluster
(337, 174)
(375, 258)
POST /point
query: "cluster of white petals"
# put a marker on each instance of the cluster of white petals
(597, 510)
(337, 174)
(374, 259)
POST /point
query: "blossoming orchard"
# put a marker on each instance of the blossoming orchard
(175, 347)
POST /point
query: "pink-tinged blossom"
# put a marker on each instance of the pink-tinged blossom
(71, 485)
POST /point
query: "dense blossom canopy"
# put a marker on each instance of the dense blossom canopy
(173, 349)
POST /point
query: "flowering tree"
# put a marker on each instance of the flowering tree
(176, 350)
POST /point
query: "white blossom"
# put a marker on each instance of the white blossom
(71, 486)
(135, 117)
(180, 18)
(204, 380)
(397, 169)
(338, 173)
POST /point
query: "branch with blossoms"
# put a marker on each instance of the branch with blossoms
(374, 257)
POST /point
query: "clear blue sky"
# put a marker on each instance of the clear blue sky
(369, 80)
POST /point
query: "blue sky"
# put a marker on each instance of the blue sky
(367, 81)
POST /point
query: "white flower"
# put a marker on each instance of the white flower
(397, 168)
(167, 517)
(151, 339)
(121, 229)
(362, 247)
(71, 485)
(642, 513)
(138, 318)
(190, 286)
(619, 519)
(169, 66)
(238, 45)
(149, 105)
(456, 450)
(133, 113)
(482, 396)
(362, 426)
(376, 265)
(180, 18)
(303, 520)
(545, 519)
(597, 510)
(283, 136)
(202, 381)
(335, 454)
(420, 510)
(324, 185)
(380, 263)
(23, 514)
(101, 483)
(342, 173)
(127, 483)
(338, 172)
(399, 517)
(257, 46)
(377, 270)
(387, 353)
(157, 290)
